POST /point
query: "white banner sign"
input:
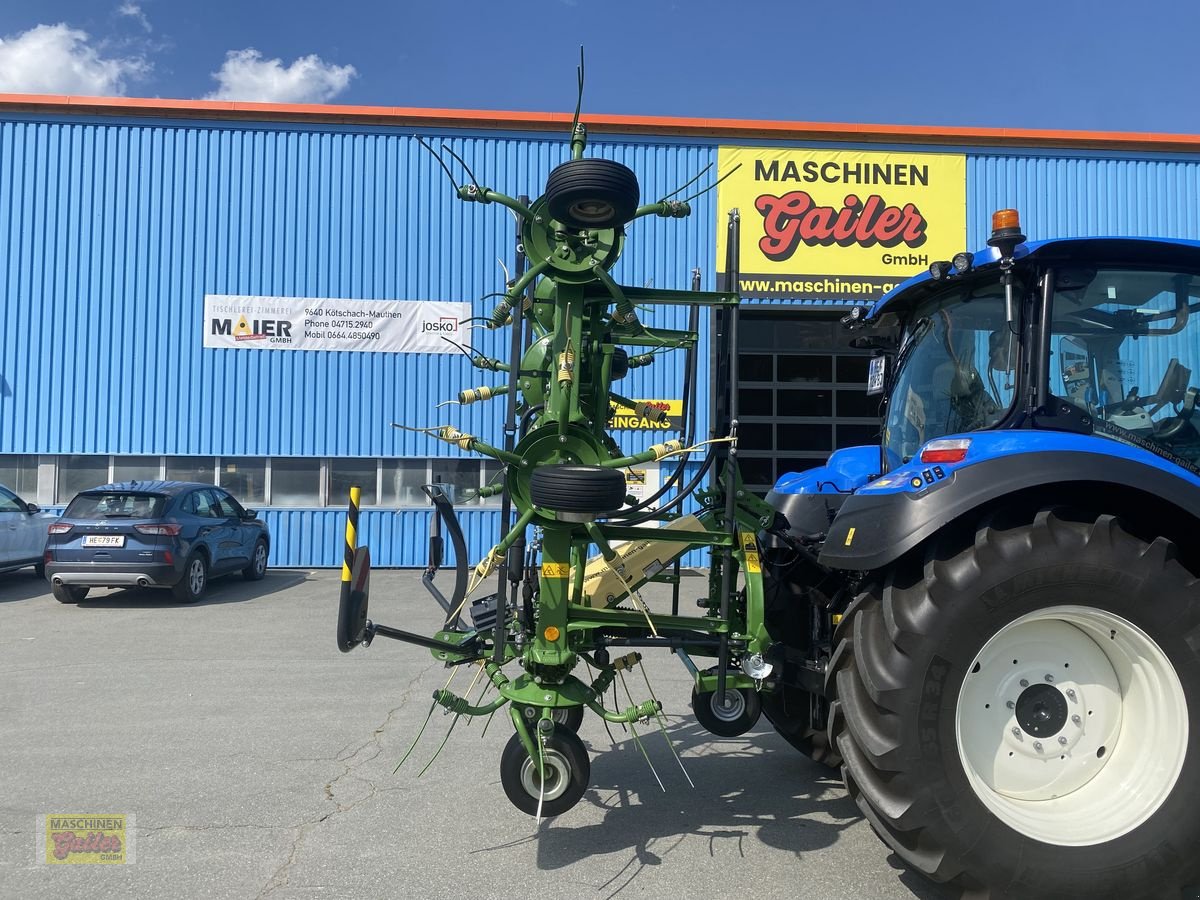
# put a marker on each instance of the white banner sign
(305, 323)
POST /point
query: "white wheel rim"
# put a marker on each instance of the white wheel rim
(734, 708)
(558, 773)
(1072, 725)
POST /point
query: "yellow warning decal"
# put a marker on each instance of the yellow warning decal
(750, 548)
(556, 570)
(849, 536)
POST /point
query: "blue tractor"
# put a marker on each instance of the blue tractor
(991, 621)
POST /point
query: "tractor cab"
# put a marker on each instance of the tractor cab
(1088, 343)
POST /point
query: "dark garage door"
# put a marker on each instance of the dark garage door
(801, 393)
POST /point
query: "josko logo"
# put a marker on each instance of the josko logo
(840, 225)
(443, 325)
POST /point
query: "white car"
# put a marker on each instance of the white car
(22, 533)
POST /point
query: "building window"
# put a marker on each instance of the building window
(136, 468)
(345, 473)
(295, 482)
(79, 473)
(192, 468)
(19, 474)
(246, 478)
(461, 478)
(402, 480)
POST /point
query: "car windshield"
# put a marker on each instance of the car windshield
(955, 371)
(1125, 349)
(115, 505)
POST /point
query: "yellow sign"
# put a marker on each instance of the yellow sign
(750, 548)
(840, 224)
(625, 418)
(556, 570)
(87, 839)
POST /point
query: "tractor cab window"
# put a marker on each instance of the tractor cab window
(955, 371)
(1125, 349)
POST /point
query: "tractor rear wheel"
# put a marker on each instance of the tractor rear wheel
(1015, 716)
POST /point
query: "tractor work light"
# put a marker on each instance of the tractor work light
(939, 269)
(947, 450)
(963, 262)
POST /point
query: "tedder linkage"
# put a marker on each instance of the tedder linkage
(574, 591)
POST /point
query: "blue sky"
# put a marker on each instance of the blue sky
(1073, 65)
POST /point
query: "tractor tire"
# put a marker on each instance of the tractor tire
(591, 490)
(592, 193)
(1021, 716)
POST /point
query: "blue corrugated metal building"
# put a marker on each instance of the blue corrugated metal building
(118, 217)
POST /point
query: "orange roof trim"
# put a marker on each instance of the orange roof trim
(401, 116)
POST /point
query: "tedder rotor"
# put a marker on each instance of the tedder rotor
(571, 591)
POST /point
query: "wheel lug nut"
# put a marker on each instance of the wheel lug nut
(1011, 705)
(1049, 678)
(1037, 745)
(1071, 694)
(1024, 682)
(1062, 740)
(1016, 732)
(1076, 720)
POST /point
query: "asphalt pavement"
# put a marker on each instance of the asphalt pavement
(257, 761)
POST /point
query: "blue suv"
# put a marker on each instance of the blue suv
(164, 534)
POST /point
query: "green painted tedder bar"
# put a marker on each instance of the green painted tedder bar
(568, 593)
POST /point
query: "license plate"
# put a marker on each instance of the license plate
(104, 540)
(876, 374)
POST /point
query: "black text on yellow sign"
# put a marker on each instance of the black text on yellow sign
(628, 419)
(840, 224)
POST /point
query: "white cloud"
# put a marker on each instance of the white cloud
(134, 11)
(245, 75)
(58, 59)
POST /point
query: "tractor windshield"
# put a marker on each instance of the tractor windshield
(1125, 349)
(954, 372)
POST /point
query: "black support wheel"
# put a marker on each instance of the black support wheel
(570, 717)
(68, 593)
(592, 193)
(585, 490)
(1019, 717)
(565, 764)
(737, 715)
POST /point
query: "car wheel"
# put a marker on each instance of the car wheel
(258, 562)
(191, 587)
(68, 593)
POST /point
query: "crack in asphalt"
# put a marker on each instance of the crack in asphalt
(351, 758)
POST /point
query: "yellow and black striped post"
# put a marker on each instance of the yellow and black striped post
(349, 631)
(351, 537)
